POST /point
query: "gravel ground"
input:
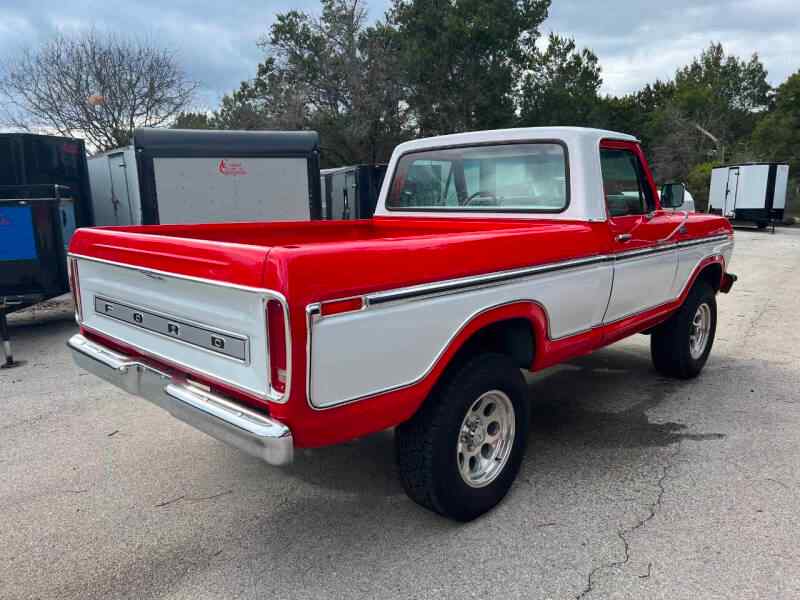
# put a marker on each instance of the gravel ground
(634, 486)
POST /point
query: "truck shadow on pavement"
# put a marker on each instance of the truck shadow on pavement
(602, 400)
(593, 451)
(597, 401)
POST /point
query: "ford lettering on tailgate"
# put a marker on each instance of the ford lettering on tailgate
(220, 342)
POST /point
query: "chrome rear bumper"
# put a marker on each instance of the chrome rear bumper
(219, 417)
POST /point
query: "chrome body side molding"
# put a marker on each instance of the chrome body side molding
(447, 308)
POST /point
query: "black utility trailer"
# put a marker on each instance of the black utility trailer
(351, 192)
(36, 223)
(44, 197)
(31, 159)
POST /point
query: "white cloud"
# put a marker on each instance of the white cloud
(639, 43)
(636, 42)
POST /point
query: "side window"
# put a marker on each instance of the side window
(624, 183)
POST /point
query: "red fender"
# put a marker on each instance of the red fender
(312, 428)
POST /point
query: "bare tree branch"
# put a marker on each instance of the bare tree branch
(99, 87)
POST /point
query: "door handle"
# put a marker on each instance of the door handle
(624, 237)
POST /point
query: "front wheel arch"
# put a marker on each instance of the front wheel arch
(671, 342)
(711, 274)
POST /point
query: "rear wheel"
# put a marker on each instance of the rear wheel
(680, 346)
(461, 452)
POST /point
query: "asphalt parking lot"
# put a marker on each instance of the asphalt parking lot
(634, 486)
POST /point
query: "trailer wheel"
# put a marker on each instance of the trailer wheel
(460, 453)
(680, 346)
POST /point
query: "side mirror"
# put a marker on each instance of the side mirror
(672, 195)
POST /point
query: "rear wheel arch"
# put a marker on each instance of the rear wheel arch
(516, 330)
(513, 337)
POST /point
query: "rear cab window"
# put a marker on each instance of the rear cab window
(520, 177)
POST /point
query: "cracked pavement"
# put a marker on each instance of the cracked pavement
(634, 486)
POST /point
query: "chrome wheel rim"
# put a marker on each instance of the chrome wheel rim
(485, 439)
(700, 330)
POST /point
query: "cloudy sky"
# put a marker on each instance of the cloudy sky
(636, 41)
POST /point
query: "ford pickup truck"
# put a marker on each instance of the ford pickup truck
(489, 253)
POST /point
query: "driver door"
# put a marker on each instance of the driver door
(644, 266)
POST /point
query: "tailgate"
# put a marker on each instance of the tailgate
(211, 329)
(197, 321)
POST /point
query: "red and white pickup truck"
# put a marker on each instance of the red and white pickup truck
(489, 253)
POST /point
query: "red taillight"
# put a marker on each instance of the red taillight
(276, 338)
(74, 286)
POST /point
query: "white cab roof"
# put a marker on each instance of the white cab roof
(565, 134)
(585, 177)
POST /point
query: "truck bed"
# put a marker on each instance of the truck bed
(339, 257)
(322, 232)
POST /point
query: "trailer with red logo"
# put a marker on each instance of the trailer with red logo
(490, 253)
(170, 176)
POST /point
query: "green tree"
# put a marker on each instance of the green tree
(698, 181)
(722, 94)
(332, 74)
(560, 85)
(272, 100)
(461, 62)
(641, 113)
(707, 113)
(777, 135)
(192, 120)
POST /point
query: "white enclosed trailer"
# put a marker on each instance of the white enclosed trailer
(754, 192)
(199, 176)
(114, 181)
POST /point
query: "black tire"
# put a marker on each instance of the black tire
(670, 344)
(426, 446)
(762, 224)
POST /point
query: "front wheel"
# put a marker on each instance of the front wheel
(461, 452)
(680, 346)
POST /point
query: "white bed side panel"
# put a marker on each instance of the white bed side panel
(228, 309)
(389, 346)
